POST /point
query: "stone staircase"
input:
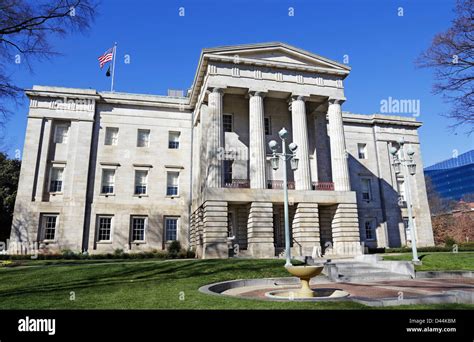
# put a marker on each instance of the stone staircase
(356, 271)
(363, 268)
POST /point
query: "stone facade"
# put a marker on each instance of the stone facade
(104, 171)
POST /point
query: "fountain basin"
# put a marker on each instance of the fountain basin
(316, 295)
(305, 273)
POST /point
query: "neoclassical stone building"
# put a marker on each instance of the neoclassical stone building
(103, 171)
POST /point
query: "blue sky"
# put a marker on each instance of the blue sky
(164, 49)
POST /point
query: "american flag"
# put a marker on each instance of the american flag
(106, 57)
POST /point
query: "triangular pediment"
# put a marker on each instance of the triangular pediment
(278, 53)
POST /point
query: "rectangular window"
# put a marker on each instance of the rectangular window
(227, 122)
(61, 133)
(139, 224)
(228, 171)
(173, 140)
(362, 150)
(405, 223)
(369, 229)
(143, 138)
(48, 226)
(111, 136)
(172, 184)
(171, 228)
(56, 183)
(268, 126)
(401, 189)
(104, 228)
(108, 181)
(141, 178)
(230, 224)
(366, 189)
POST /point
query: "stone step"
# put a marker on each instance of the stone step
(360, 269)
(379, 276)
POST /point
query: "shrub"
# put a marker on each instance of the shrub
(449, 242)
(174, 251)
(461, 248)
(174, 248)
(118, 253)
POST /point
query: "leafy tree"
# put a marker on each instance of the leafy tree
(9, 175)
(451, 55)
(27, 28)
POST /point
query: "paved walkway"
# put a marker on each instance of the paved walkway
(390, 292)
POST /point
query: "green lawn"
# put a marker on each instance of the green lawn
(440, 261)
(143, 284)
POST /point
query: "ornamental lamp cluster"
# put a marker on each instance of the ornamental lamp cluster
(403, 162)
(409, 161)
(275, 159)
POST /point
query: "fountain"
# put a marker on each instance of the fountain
(305, 273)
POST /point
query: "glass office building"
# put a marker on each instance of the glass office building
(453, 178)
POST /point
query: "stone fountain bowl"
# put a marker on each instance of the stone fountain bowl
(305, 271)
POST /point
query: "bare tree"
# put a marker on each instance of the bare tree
(437, 204)
(451, 55)
(26, 30)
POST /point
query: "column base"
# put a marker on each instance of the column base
(349, 249)
(345, 231)
(215, 250)
(303, 250)
(215, 230)
(305, 229)
(260, 230)
(261, 250)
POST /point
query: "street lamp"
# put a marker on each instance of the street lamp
(403, 161)
(294, 166)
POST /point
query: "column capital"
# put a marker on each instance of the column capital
(260, 93)
(336, 100)
(297, 97)
(214, 90)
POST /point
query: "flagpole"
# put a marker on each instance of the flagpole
(113, 68)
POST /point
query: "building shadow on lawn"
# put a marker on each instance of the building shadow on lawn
(142, 274)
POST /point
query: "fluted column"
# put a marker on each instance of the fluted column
(216, 138)
(257, 140)
(300, 137)
(340, 168)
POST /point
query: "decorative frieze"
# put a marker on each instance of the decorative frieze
(278, 75)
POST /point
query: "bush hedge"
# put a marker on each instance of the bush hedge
(462, 247)
(117, 254)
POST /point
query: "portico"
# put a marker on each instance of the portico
(258, 100)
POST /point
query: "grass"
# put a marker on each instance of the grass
(144, 284)
(462, 261)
